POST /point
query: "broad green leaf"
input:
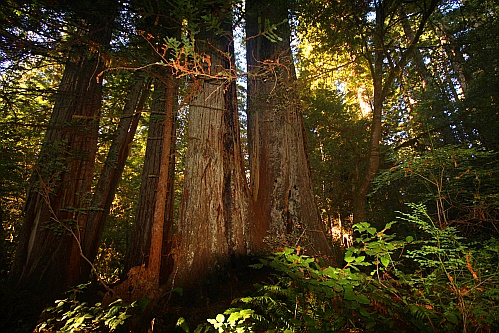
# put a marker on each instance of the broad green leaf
(452, 317)
(385, 260)
(362, 299)
(360, 259)
(349, 294)
(349, 259)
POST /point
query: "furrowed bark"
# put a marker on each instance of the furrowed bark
(284, 204)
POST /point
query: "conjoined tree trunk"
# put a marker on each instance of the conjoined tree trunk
(284, 203)
(163, 206)
(151, 240)
(212, 233)
(47, 259)
(149, 259)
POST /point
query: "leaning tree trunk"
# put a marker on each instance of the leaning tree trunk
(110, 175)
(153, 212)
(212, 232)
(284, 203)
(47, 259)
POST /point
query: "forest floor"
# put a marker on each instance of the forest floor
(20, 312)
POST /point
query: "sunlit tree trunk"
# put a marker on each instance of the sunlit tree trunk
(48, 256)
(284, 204)
(162, 219)
(149, 252)
(212, 233)
(149, 259)
(360, 193)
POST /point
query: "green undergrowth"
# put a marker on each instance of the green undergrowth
(430, 282)
(71, 314)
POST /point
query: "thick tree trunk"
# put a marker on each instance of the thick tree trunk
(284, 203)
(212, 233)
(47, 259)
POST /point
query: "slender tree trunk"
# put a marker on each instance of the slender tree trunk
(427, 79)
(360, 195)
(164, 195)
(47, 259)
(153, 228)
(155, 208)
(383, 77)
(456, 57)
(212, 233)
(138, 252)
(284, 203)
(416, 54)
(110, 176)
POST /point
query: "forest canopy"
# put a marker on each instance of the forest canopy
(249, 166)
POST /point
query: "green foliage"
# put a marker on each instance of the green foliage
(455, 287)
(73, 315)
(452, 289)
(337, 141)
(234, 322)
(24, 112)
(269, 30)
(458, 184)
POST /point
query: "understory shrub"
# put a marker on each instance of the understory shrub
(73, 315)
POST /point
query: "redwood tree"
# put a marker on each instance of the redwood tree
(161, 116)
(284, 204)
(105, 190)
(212, 233)
(152, 232)
(47, 259)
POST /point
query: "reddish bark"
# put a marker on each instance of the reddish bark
(212, 232)
(164, 98)
(284, 204)
(160, 225)
(154, 226)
